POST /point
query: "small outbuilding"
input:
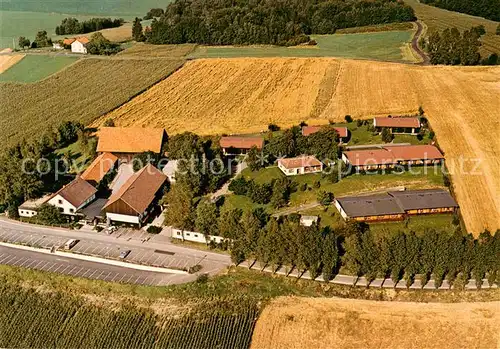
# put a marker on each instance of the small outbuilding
(398, 125)
(236, 145)
(29, 208)
(343, 132)
(300, 165)
(307, 221)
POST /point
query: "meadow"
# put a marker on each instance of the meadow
(387, 45)
(246, 95)
(36, 67)
(81, 92)
(438, 19)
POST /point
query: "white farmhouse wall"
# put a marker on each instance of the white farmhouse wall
(65, 206)
(26, 212)
(340, 209)
(193, 236)
(122, 218)
(78, 47)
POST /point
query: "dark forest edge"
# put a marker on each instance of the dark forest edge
(489, 9)
(73, 26)
(284, 23)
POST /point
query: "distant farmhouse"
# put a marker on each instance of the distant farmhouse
(127, 142)
(234, 145)
(300, 165)
(100, 167)
(79, 45)
(73, 196)
(134, 201)
(389, 156)
(398, 125)
(395, 205)
(343, 132)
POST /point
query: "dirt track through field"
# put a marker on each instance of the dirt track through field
(211, 96)
(320, 323)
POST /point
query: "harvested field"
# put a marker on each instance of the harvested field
(82, 92)
(140, 49)
(245, 95)
(7, 61)
(440, 19)
(322, 323)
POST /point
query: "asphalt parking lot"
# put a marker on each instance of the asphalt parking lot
(86, 269)
(145, 256)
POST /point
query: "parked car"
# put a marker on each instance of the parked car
(124, 254)
(70, 244)
(110, 230)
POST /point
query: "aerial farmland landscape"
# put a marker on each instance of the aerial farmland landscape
(252, 174)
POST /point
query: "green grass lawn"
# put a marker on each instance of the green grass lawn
(418, 224)
(361, 135)
(79, 161)
(379, 45)
(35, 67)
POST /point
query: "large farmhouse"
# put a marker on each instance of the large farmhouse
(100, 167)
(79, 45)
(300, 165)
(126, 142)
(235, 145)
(134, 201)
(73, 196)
(399, 125)
(390, 156)
(343, 132)
(395, 205)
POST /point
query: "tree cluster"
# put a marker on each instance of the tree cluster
(154, 12)
(489, 9)
(287, 22)
(99, 45)
(20, 178)
(451, 47)
(137, 32)
(71, 25)
(277, 193)
(41, 40)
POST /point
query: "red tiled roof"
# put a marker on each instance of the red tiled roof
(392, 154)
(241, 142)
(83, 40)
(396, 122)
(99, 167)
(140, 189)
(68, 41)
(130, 139)
(309, 130)
(300, 161)
(77, 191)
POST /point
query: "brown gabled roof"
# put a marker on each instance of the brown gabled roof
(372, 205)
(99, 167)
(396, 122)
(392, 155)
(83, 40)
(77, 191)
(241, 142)
(140, 189)
(68, 41)
(309, 130)
(130, 139)
(300, 161)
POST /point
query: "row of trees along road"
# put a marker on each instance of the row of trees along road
(452, 47)
(287, 22)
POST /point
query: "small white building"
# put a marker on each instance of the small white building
(170, 169)
(57, 46)
(307, 221)
(29, 208)
(79, 45)
(193, 236)
(73, 196)
(300, 165)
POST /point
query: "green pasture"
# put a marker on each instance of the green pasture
(35, 67)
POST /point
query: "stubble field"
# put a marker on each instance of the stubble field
(245, 95)
(8, 61)
(345, 323)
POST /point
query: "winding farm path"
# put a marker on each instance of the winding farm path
(416, 48)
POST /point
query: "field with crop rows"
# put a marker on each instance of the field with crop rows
(439, 19)
(140, 49)
(59, 320)
(296, 323)
(210, 96)
(36, 67)
(82, 92)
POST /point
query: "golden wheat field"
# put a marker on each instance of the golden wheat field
(210, 96)
(320, 323)
(7, 61)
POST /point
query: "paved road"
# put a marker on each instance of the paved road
(91, 270)
(157, 251)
